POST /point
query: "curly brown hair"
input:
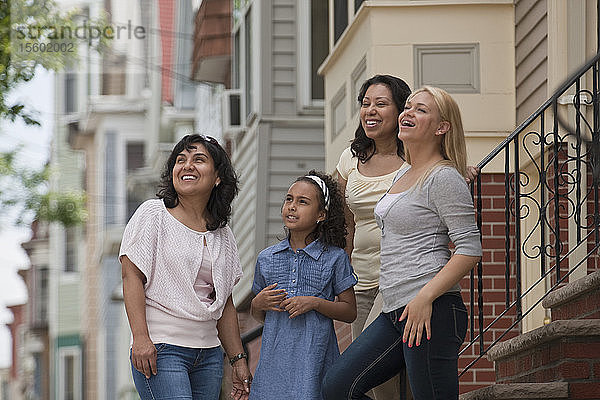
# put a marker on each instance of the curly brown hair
(332, 231)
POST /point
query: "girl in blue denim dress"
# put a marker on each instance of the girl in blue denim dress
(302, 284)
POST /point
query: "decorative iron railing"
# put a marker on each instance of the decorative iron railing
(551, 210)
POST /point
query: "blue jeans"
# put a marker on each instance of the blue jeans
(182, 373)
(379, 353)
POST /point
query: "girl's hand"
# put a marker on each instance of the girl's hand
(143, 356)
(241, 379)
(299, 305)
(269, 299)
(418, 316)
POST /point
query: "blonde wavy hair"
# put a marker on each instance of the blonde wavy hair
(453, 146)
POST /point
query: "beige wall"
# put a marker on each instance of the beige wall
(384, 34)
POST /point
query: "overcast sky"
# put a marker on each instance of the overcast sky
(38, 94)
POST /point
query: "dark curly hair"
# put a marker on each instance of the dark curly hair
(363, 147)
(332, 231)
(221, 196)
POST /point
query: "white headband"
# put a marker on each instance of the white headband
(323, 187)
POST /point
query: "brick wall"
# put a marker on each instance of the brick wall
(493, 283)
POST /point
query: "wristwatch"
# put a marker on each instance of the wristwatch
(237, 357)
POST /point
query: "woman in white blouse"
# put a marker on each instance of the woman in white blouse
(179, 264)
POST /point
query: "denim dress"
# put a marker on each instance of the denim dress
(296, 353)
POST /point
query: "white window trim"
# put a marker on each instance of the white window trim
(63, 352)
(240, 29)
(303, 63)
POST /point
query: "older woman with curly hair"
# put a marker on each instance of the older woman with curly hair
(179, 264)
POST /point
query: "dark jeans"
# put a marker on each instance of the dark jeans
(379, 353)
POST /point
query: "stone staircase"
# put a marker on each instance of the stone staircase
(560, 360)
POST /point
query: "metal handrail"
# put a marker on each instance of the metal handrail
(555, 193)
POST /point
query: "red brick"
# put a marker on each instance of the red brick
(523, 364)
(574, 370)
(581, 350)
(493, 269)
(500, 230)
(467, 377)
(597, 370)
(506, 368)
(491, 243)
(483, 376)
(493, 216)
(540, 357)
(584, 390)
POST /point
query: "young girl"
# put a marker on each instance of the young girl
(296, 283)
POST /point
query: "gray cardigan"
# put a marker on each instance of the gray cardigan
(416, 230)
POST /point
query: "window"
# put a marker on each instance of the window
(248, 61)
(70, 92)
(340, 18)
(110, 179)
(38, 305)
(42, 313)
(185, 89)
(70, 249)
(235, 81)
(70, 373)
(135, 156)
(313, 47)
(135, 160)
(357, 4)
(37, 375)
(319, 18)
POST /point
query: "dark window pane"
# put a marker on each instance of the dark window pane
(340, 18)
(70, 250)
(248, 61)
(357, 4)
(70, 92)
(319, 48)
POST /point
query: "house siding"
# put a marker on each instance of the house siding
(531, 56)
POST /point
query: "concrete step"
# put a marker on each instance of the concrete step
(576, 300)
(562, 351)
(520, 391)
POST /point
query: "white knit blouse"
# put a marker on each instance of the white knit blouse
(170, 255)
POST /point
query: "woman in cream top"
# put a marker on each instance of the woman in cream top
(365, 171)
(362, 193)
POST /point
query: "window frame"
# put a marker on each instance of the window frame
(63, 353)
(303, 60)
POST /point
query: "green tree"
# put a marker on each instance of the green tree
(28, 29)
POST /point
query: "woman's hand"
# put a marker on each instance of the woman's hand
(143, 356)
(472, 172)
(269, 299)
(418, 316)
(299, 305)
(242, 379)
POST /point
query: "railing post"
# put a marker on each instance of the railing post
(507, 222)
(517, 189)
(595, 148)
(480, 270)
(543, 185)
(557, 242)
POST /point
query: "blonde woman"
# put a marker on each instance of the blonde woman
(424, 320)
